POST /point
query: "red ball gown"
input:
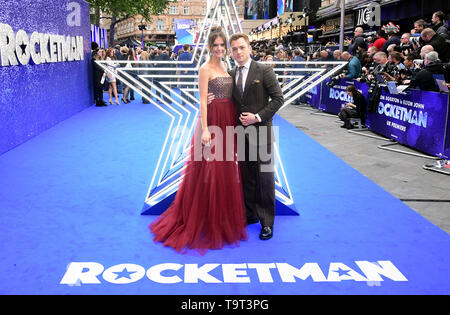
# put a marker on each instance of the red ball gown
(208, 211)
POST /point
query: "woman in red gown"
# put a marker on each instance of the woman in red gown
(208, 211)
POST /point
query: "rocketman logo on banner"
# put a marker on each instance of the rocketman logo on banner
(417, 119)
(39, 48)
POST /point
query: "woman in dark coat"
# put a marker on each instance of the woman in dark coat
(99, 78)
(357, 109)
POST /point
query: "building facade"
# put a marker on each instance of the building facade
(161, 29)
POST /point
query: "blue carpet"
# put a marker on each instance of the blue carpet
(74, 194)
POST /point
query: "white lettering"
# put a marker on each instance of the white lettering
(22, 47)
(82, 272)
(18, 47)
(372, 270)
(288, 273)
(154, 273)
(339, 271)
(192, 273)
(34, 41)
(78, 273)
(124, 273)
(263, 271)
(7, 45)
(231, 273)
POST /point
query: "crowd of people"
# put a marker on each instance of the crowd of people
(107, 80)
(409, 58)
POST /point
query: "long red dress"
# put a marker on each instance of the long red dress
(208, 211)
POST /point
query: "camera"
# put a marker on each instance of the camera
(414, 40)
(333, 80)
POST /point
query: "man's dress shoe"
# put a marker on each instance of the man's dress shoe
(266, 233)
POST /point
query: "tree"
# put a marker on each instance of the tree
(119, 10)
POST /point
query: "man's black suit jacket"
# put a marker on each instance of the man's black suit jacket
(262, 93)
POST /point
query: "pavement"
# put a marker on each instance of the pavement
(427, 192)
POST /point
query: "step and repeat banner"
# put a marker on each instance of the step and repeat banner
(45, 66)
(415, 118)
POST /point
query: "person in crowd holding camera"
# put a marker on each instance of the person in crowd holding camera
(425, 50)
(419, 26)
(430, 37)
(357, 109)
(411, 70)
(368, 64)
(395, 59)
(354, 66)
(406, 44)
(424, 78)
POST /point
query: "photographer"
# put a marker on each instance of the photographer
(354, 66)
(357, 109)
(411, 70)
(439, 44)
(396, 61)
(424, 78)
(406, 45)
(374, 91)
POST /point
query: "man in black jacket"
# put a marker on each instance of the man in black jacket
(358, 41)
(438, 24)
(430, 37)
(392, 39)
(424, 78)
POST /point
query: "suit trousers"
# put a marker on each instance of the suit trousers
(258, 178)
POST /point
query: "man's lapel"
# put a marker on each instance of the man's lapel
(250, 77)
(235, 91)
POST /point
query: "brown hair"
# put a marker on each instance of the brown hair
(236, 36)
(216, 31)
(352, 89)
(144, 55)
(396, 55)
(110, 52)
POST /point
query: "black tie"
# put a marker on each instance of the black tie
(239, 82)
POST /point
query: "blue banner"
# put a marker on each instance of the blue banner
(45, 66)
(334, 97)
(417, 119)
(313, 96)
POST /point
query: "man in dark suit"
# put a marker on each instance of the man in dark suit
(186, 56)
(165, 59)
(258, 96)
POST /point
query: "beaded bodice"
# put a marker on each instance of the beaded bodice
(221, 87)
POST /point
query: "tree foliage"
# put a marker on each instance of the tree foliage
(121, 9)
